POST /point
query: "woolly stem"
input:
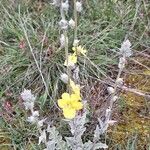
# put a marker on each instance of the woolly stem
(75, 19)
(66, 47)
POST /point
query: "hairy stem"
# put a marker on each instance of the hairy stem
(75, 19)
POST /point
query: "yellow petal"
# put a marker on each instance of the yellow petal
(62, 103)
(77, 105)
(65, 96)
(75, 97)
(69, 113)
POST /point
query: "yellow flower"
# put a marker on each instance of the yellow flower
(79, 50)
(72, 59)
(70, 104)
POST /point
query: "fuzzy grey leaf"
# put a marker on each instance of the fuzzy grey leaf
(88, 145)
(51, 145)
(96, 133)
(56, 138)
(74, 144)
(69, 141)
(100, 145)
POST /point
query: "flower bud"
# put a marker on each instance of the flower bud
(76, 42)
(26, 95)
(64, 78)
(110, 90)
(65, 6)
(119, 81)
(29, 105)
(40, 122)
(35, 113)
(56, 3)
(115, 98)
(32, 119)
(72, 23)
(121, 64)
(78, 6)
(63, 24)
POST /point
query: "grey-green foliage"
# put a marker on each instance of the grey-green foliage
(77, 128)
(55, 141)
(94, 146)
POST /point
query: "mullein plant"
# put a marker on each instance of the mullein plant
(70, 102)
(125, 52)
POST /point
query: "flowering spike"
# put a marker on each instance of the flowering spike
(125, 49)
